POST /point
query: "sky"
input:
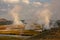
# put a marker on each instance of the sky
(55, 8)
(30, 8)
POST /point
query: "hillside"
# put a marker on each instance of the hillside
(53, 34)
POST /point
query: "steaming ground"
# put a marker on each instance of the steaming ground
(32, 10)
(40, 17)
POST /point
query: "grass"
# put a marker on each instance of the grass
(9, 38)
(26, 32)
(53, 34)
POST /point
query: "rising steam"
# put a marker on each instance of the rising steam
(14, 13)
(44, 17)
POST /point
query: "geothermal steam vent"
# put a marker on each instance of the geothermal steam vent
(17, 24)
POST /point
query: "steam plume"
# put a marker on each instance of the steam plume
(44, 17)
(14, 13)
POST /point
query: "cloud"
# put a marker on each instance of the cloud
(46, 4)
(2, 9)
(55, 8)
(26, 1)
(11, 1)
(37, 4)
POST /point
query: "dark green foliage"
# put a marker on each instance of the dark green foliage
(5, 22)
(53, 34)
(9, 38)
(58, 22)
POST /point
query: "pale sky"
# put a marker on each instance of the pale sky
(29, 8)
